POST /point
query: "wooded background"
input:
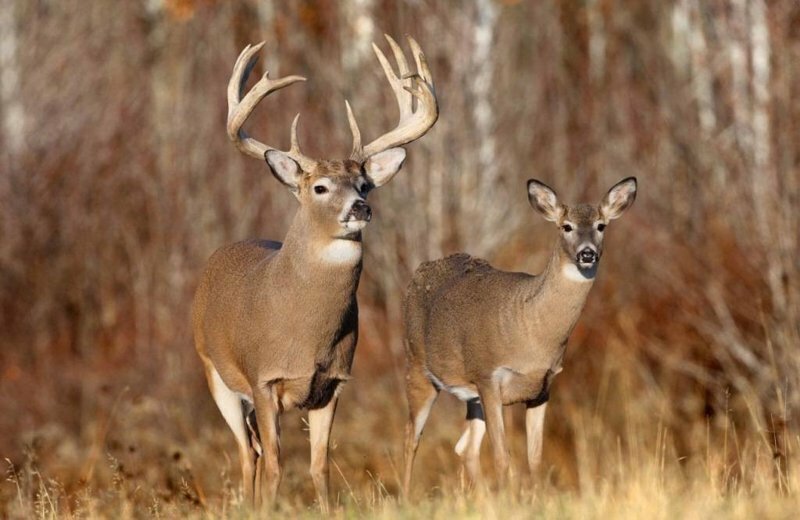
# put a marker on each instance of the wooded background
(117, 182)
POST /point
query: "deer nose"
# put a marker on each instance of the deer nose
(361, 211)
(587, 255)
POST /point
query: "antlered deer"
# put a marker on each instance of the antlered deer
(495, 338)
(276, 324)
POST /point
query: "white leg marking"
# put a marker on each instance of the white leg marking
(422, 417)
(470, 441)
(230, 405)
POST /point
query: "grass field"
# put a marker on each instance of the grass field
(151, 457)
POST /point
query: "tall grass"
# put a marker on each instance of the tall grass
(734, 475)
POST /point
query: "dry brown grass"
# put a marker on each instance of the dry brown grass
(681, 386)
(151, 459)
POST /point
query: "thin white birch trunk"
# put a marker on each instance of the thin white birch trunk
(764, 181)
(359, 33)
(484, 210)
(11, 106)
(597, 41)
(701, 70)
(737, 55)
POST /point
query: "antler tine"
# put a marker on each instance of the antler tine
(351, 118)
(240, 108)
(399, 57)
(419, 58)
(295, 146)
(395, 82)
(414, 121)
(404, 101)
(241, 71)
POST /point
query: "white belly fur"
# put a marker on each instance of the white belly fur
(462, 392)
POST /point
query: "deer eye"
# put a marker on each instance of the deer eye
(567, 228)
(601, 227)
(319, 190)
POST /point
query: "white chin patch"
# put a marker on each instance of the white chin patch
(573, 274)
(351, 226)
(341, 251)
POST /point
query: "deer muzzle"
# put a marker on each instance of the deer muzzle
(360, 210)
(587, 256)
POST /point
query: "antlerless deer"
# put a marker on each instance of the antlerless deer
(276, 324)
(495, 338)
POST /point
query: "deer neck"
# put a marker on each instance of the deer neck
(309, 253)
(554, 300)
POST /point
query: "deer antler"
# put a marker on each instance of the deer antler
(414, 121)
(240, 108)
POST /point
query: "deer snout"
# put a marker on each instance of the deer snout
(587, 256)
(360, 210)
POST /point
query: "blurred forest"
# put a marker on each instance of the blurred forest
(117, 182)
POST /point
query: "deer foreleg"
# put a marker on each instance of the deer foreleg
(320, 422)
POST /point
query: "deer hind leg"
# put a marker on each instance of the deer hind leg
(320, 421)
(233, 411)
(255, 445)
(421, 395)
(468, 446)
(269, 471)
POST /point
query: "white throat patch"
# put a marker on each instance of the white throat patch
(341, 251)
(573, 274)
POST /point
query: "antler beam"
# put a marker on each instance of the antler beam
(240, 108)
(414, 121)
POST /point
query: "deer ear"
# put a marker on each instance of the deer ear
(382, 166)
(544, 200)
(619, 198)
(284, 168)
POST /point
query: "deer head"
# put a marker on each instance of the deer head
(332, 193)
(582, 226)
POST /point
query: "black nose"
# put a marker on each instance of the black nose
(587, 256)
(361, 211)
